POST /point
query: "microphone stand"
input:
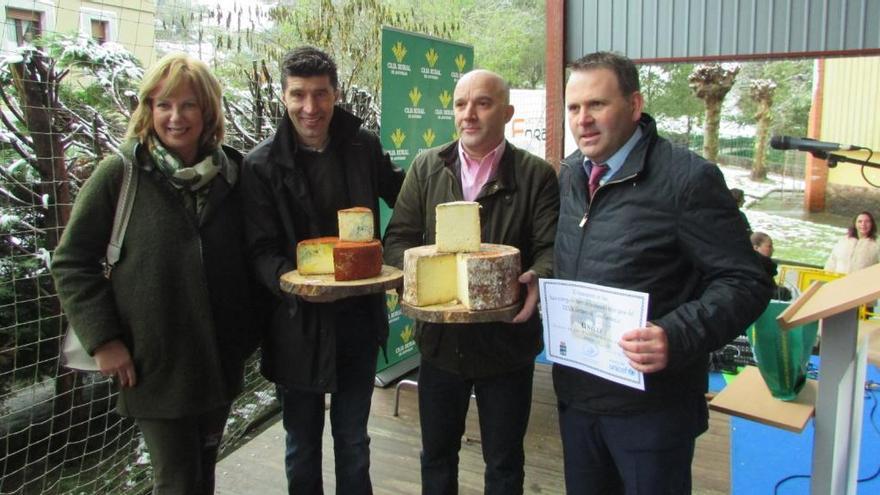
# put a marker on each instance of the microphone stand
(833, 159)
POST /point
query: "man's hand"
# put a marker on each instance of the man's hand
(647, 348)
(114, 361)
(529, 278)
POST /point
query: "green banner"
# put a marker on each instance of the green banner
(418, 78)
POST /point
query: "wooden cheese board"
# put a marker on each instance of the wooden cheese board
(324, 288)
(458, 313)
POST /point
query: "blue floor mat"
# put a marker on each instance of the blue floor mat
(761, 456)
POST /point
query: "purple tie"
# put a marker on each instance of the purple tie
(596, 173)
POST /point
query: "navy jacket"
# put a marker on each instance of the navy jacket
(664, 224)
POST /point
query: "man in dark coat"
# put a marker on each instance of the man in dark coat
(319, 161)
(519, 199)
(661, 221)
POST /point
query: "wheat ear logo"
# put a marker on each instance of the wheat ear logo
(414, 96)
(445, 98)
(398, 137)
(460, 62)
(432, 56)
(429, 137)
(399, 51)
(391, 296)
(407, 334)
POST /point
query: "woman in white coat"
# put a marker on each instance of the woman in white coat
(859, 249)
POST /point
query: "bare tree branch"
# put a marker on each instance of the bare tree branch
(247, 137)
(9, 106)
(20, 189)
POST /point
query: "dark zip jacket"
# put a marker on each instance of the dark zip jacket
(299, 349)
(664, 224)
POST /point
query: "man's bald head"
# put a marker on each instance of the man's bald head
(482, 108)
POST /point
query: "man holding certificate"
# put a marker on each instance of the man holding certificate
(639, 215)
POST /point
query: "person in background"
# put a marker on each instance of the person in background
(175, 325)
(740, 197)
(319, 161)
(763, 245)
(859, 249)
(519, 201)
(642, 214)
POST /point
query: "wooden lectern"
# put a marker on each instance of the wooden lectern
(839, 401)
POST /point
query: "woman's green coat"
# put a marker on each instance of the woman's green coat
(180, 296)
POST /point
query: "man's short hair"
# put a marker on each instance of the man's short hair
(759, 238)
(308, 61)
(621, 66)
(738, 195)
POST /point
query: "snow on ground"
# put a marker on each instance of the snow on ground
(794, 239)
(739, 177)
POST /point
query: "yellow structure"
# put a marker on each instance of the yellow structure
(801, 277)
(127, 22)
(844, 110)
(851, 105)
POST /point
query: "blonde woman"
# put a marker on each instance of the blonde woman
(172, 326)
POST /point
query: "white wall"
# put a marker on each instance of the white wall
(527, 129)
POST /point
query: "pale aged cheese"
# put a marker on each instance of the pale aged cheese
(458, 227)
(428, 276)
(315, 256)
(483, 280)
(356, 224)
(488, 279)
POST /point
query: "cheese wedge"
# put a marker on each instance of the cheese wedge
(458, 227)
(315, 256)
(356, 224)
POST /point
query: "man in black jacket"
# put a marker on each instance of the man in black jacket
(661, 221)
(318, 162)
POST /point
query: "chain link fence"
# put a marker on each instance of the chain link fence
(68, 80)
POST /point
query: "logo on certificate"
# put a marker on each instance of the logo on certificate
(591, 323)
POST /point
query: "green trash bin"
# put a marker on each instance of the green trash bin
(782, 356)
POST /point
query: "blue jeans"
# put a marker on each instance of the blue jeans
(303, 419)
(636, 454)
(503, 401)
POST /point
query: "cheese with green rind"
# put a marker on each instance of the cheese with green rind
(315, 256)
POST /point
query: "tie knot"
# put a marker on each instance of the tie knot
(596, 173)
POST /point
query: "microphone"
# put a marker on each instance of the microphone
(807, 144)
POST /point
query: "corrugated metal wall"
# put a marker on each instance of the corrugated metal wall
(721, 29)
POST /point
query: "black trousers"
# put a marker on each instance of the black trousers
(636, 454)
(504, 402)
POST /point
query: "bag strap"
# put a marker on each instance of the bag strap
(123, 213)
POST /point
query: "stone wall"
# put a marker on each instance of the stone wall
(849, 200)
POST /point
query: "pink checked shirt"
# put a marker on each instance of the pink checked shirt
(475, 173)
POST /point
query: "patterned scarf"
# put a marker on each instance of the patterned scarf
(194, 182)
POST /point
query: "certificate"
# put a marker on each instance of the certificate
(583, 324)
